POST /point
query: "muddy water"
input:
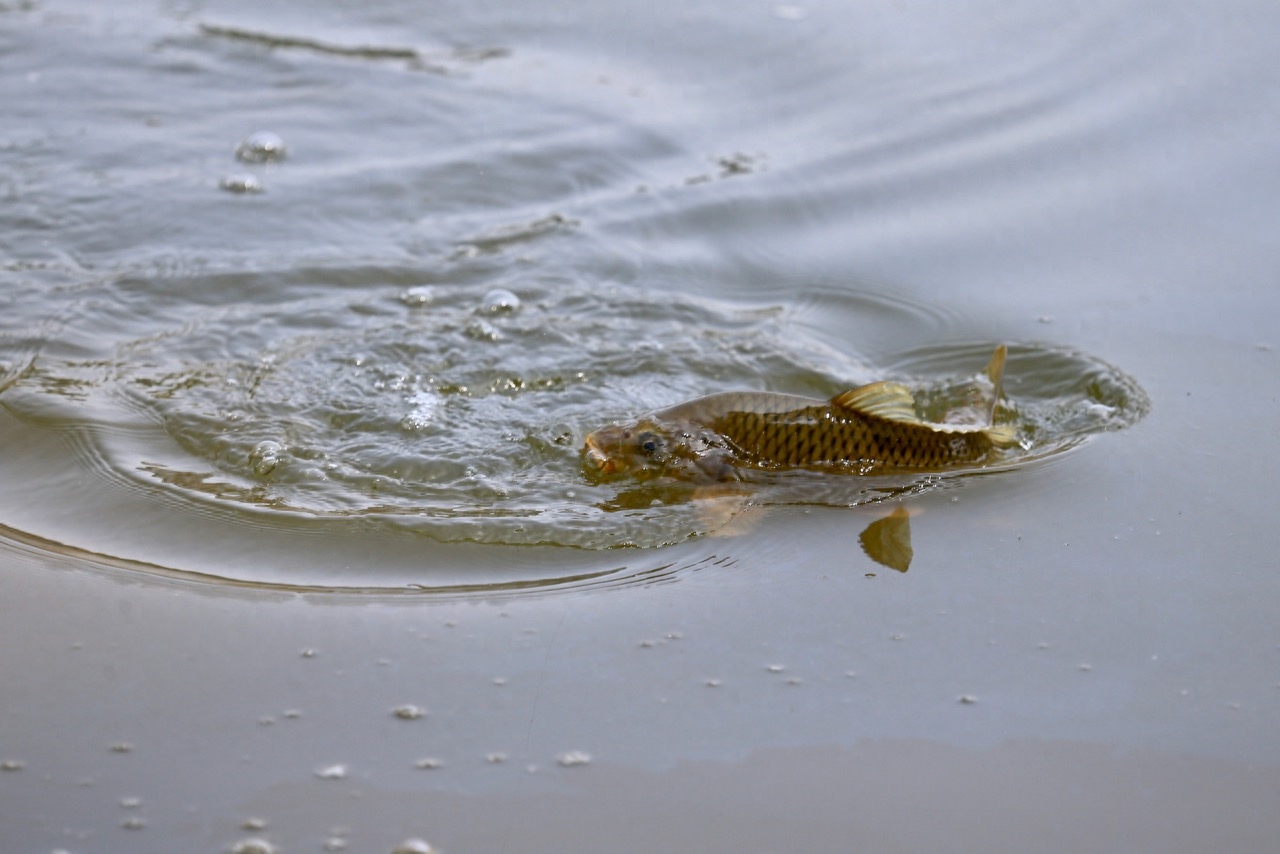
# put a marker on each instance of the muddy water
(304, 314)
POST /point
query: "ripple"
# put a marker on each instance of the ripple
(332, 430)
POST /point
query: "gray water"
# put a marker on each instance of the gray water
(304, 311)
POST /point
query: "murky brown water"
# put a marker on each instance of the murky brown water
(304, 313)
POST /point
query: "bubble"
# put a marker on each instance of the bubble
(332, 772)
(253, 823)
(482, 331)
(122, 747)
(500, 301)
(264, 457)
(495, 758)
(261, 147)
(967, 699)
(429, 763)
(425, 405)
(131, 803)
(417, 296)
(241, 183)
(413, 846)
(12, 765)
(253, 846)
(134, 822)
(408, 712)
(574, 758)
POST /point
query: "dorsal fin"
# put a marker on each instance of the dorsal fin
(888, 400)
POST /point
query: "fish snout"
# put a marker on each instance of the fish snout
(597, 459)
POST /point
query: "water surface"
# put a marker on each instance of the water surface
(289, 432)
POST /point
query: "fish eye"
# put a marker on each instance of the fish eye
(649, 443)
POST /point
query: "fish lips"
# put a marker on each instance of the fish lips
(596, 460)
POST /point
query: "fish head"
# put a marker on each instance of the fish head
(639, 449)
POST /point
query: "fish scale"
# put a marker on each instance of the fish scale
(819, 436)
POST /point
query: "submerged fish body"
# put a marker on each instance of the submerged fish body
(873, 429)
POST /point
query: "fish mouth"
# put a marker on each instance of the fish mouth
(596, 458)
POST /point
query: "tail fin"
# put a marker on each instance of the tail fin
(995, 371)
(1001, 435)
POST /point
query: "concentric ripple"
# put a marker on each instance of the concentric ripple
(455, 412)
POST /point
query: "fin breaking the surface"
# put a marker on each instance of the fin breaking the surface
(1001, 435)
(995, 372)
(889, 400)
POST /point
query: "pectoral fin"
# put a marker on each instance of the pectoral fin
(888, 400)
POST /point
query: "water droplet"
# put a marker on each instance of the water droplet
(775, 668)
(332, 772)
(1086, 667)
(712, 683)
(674, 635)
(788, 12)
(254, 823)
(253, 846)
(482, 330)
(429, 763)
(122, 747)
(335, 843)
(413, 846)
(425, 405)
(967, 699)
(241, 184)
(495, 758)
(134, 822)
(574, 758)
(12, 765)
(417, 296)
(308, 653)
(292, 714)
(408, 712)
(264, 457)
(131, 803)
(500, 301)
(261, 147)
(500, 681)
(795, 680)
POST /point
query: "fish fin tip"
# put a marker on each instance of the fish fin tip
(1002, 435)
(995, 373)
(889, 400)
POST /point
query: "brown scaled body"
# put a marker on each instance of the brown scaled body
(783, 431)
(871, 429)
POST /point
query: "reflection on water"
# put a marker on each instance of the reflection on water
(887, 540)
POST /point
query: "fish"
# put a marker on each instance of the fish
(869, 430)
